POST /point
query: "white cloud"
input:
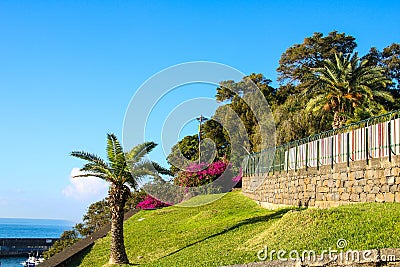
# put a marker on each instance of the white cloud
(84, 187)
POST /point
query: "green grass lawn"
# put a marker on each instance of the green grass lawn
(233, 229)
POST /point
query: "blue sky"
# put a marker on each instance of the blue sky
(68, 70)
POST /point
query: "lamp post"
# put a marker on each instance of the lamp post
(201, 119)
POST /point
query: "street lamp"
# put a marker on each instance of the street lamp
(201, 119)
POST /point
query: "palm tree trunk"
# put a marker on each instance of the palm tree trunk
(117, 199)
(338, 120)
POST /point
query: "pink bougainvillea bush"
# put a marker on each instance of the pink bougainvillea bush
(190, 182)
(150, 203)
(198, 174)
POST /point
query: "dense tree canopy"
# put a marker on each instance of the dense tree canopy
(347, 87)
(297, 61)
(308, 75)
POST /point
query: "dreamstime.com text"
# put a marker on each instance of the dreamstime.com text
(331, 254)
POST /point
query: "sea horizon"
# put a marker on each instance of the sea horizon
(33, 228)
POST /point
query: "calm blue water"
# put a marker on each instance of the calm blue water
(11, 262)
(30, 228)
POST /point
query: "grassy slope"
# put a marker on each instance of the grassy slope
(232, 230)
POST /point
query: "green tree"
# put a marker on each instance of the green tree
(388, 59)
(347, 86)
(215, 131)
(391, 62)
(188, 147)
(297, 62)
(97, 215)
(293, 122)
(121, 170)
(67, 239)
(234, 101)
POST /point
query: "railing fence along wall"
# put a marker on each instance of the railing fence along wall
(376, 137)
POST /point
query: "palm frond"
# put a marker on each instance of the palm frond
(161, 170)
(115, 152)
(138, 152)
(90, 157)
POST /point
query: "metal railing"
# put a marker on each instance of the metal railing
(375, 137)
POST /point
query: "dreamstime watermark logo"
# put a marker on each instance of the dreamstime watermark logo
(338, 254)
(145, 104)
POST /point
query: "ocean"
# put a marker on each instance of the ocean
(29, 228)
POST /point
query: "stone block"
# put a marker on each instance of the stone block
(323, 189)
(393, 189)
(341, 190)
(345, 196)
(330, 197)
(311, 187)
(369, 174)
(389, 197)
(319, 196)
(380, 198)
(385, 188)
(397, 197)
(359, 174)
(343, 176)
(355, 197)
(379, 173)
(391, 180)
(367, 188)
(348, 184)
(375, 190)
(395, 171)
(359, 189)
(371, 198)
(363, 197)
(362, 181)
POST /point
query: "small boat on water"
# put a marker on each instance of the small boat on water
(33, 261)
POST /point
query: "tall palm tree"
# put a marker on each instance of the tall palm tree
(122, 172)
(345, 84)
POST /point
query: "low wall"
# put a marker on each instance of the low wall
(74, 252)
(377, 181)
(23, 246)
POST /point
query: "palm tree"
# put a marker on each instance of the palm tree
(122, 172)
(346, 84)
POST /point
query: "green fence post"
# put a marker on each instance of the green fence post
(318, 154)
(287, 160)
(390, 141)
(308, 141)
(295, 158)
(348, 149)
(332, 139)
(366, 145)
(273, 163)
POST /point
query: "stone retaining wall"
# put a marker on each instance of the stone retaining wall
(377, 181)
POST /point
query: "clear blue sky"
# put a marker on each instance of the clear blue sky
(68, 70)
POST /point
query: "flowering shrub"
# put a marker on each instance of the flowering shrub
(199, 174)
(150, 203)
